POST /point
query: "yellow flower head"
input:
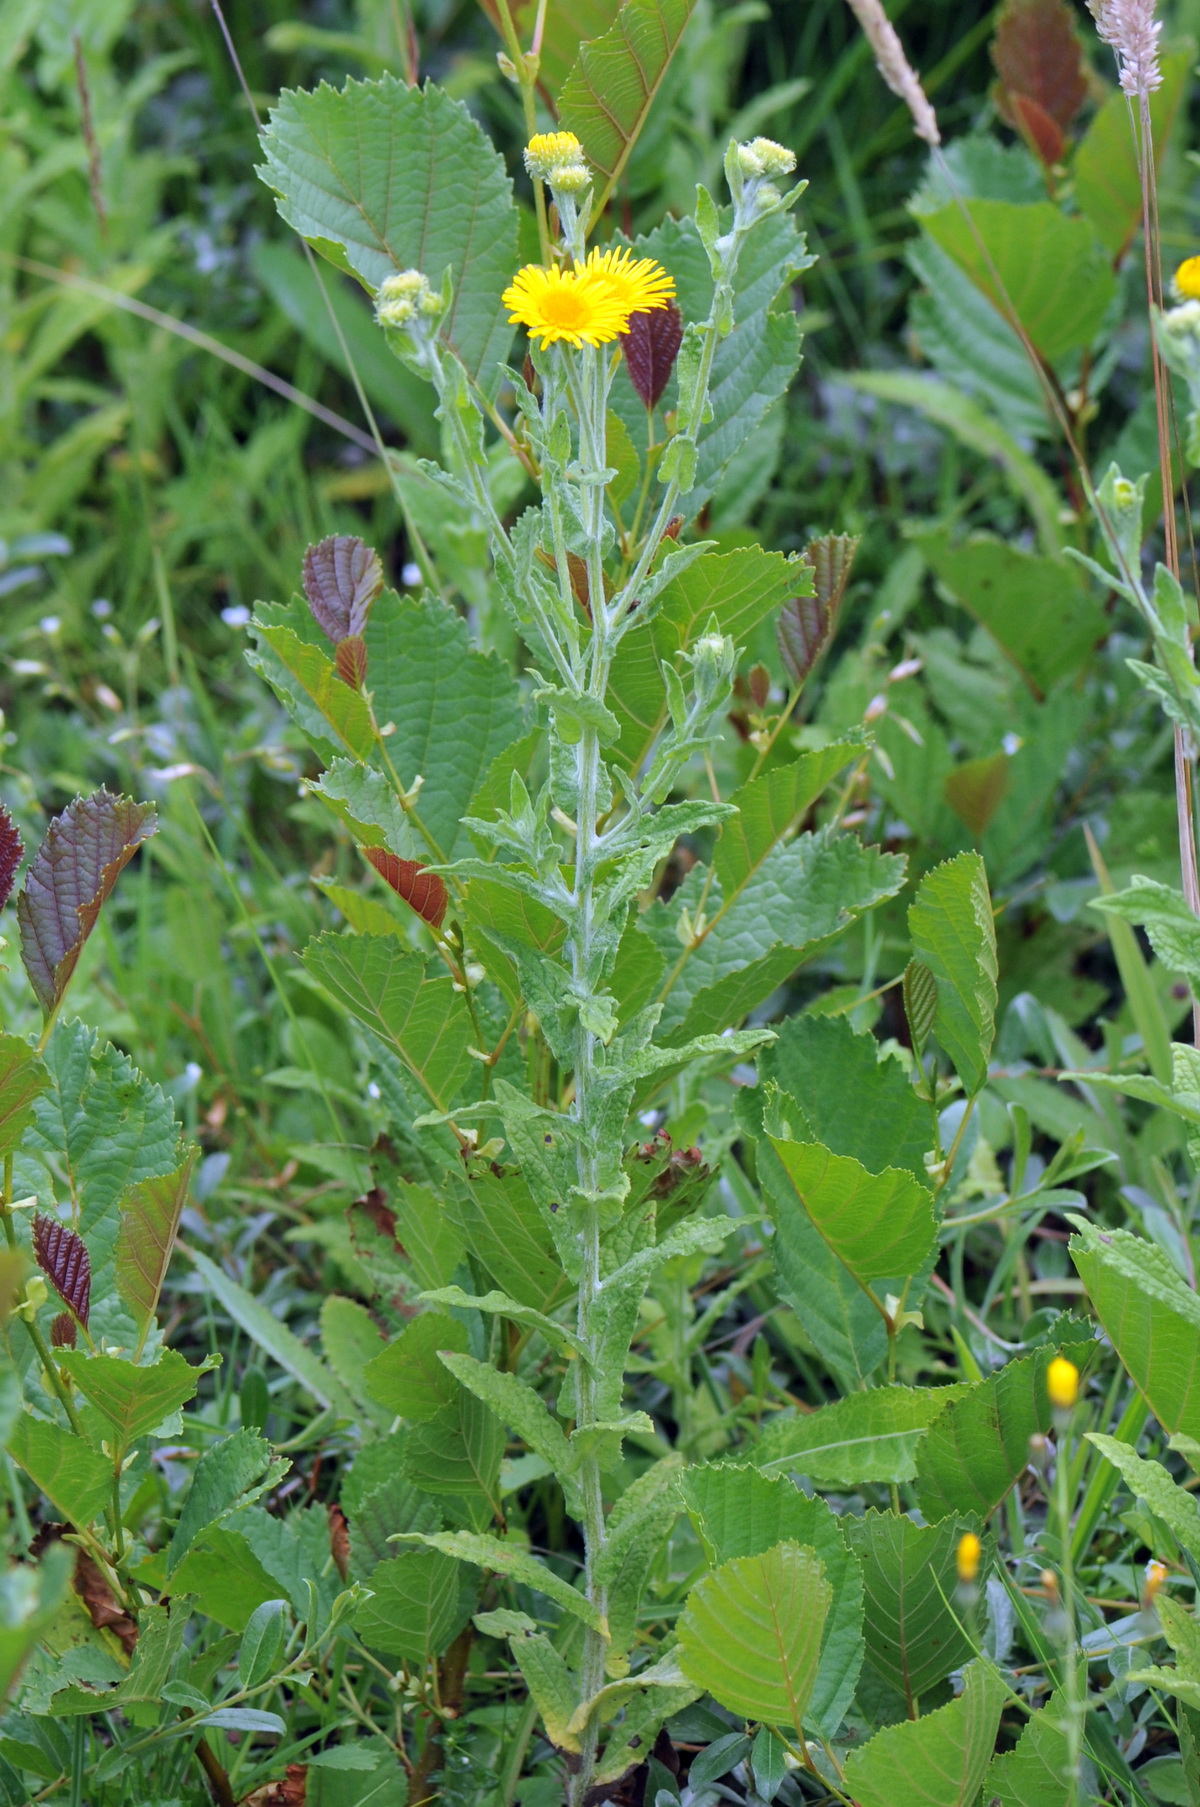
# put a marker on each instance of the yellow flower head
(967, 1557)
(1062, 1384)
(551, 150)
(1187, 279)
(637, 284)
(564, 304)
(1156, 1575)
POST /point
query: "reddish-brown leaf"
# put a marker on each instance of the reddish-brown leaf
(64, 1332)
(339, 1541)
(291, 1792)
(342, 578)
(350, 660)
(145, 1241)
(12, 852)
(71, 874)
(101, 1603)
(64, 1259)
(651, 347)
(421, 889)
(1044, 136)
(1037, 53)
(806, 623)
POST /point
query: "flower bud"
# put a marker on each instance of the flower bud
(569, 179)
(763, 157)
(405, 297)
(967, 1557)
(549, 152)
(713, 658)
(1062, 1383)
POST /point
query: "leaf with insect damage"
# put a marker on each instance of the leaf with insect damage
(1043, 76)
(806, 623)
(72, 873)
(149, 1224)
(12, 852)
(342, 578)
(421, 889)
(651, 347)
(62, 1256)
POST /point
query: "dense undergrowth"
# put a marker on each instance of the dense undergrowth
(857, 1256)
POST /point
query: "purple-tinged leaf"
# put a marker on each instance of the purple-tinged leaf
(350, 661)
(149, 1225)
(651, 347)
(806, 623)
(63, 1258)
(71, 874)
(12, 852)
(342, 578)
(63, 1332)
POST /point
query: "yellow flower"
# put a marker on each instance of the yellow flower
(1156, 1575)
(550, 150)
(638, 284)
(967, 1558)
(1187, 279)
(1062, 1383)
(564, 304)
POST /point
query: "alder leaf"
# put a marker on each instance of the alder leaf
(342, 578)
(954, 935)
(608, 95)
(751, 1633)
(149, 1224)
(807, 622)
(651, 347)
(12, 852)
(935, 1761)
(62, 1256)
(421, 889)
(71, 874)
(22, 1076)
(1038, 55)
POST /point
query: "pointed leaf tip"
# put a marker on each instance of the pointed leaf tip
(651, 347)
(63, 1258)
(12, 852)
(807, 623)
(342, 578)
(71, 874)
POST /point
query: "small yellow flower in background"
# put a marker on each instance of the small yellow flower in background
(564, 304)
(1187, 279)
(1156, 1575)
(1062, 1383)
(637, 284)
(967, 1558)
(548, 151)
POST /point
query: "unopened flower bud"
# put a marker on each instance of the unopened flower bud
(713, 658)
(1049, 1581)
(547, 152)
(569, 179)
(967, 1557)
(1062, 1383)
(763, 157)
(405, 297)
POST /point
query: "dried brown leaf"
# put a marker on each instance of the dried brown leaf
(421, 889)
(342, 578)
(71, 874)
(12, 852)
(101, 1603)
(63, 1258)
(651, 347)
(339, 1541)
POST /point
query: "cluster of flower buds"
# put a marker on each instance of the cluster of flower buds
(752, 171)
(409, 310)
(712, 659)
(556, 158)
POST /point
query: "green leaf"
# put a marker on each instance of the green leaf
(608, 95)
(509, 1559)
(740, 1512)
(515, 1403)
(74, 1477)
(1049, 267)
(1171, 927)
(504, 1227)
(840, 1092)
(1037, 609)
(23, 1077)
(133, 1401)
(1150, 1481)
(914, 1635)
(869, 1436)
(223, 1571)
(551, 1685)
(419, 1605)
(879, 1225)
(954, 934)
(382, 177)
(936, 1761)
(28, 1613)
(751, 1633)
(261, 1652)
(271, 1335)
(427, 1234)
(389, 988)
(408, 1378)
(458, 1453)
(501, 1306)
(221, 1480)
(333, 716)
(975, 428)
(145, 1241)
(1031, 1775)
(1151, 1316)
(351, 1339)
(772, 807)
(977, 1447)
(1107, 169)
(968, 343)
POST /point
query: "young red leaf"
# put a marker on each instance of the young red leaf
(651, 347)
(71, 874)
(350, 660)
(421, 889)
(342, 578)
(63, 1258)
(12, 852)
(1040, 59)
(149, 1225)
(63, 1332)
(806, 623)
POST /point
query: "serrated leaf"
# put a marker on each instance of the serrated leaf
(63, 1258)
(608, 95)
(938, 1760)
(515, 1403)
(914, 1635)
(12, 852)
(23, 1077)
(221, 1479)
(408, 1378)
(1152, 1318)
(75, 1478)
(132, 1400)
(741, 1512)
(224, 1572)
(422, 890)
(333, 716)
(146, 1239)
(772, 807)
(751, 1633)
(268, 1333)
(842, 1094)
(458, 1453)
(807, 623)
(920, 1003)
(1171, 926)
(510, 1560)
(868, 1436)
(1031, 1774)
(497, 1215)
(32, 1615)
(1149, 1481)
(954, 934)
(342, 578)
(430, 195)
(551, 1684)
(351, 1339)
(650, 349)
(389, 988)
(419, 1605)
(69, 877)
(262, 1643)
(879, 1225)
